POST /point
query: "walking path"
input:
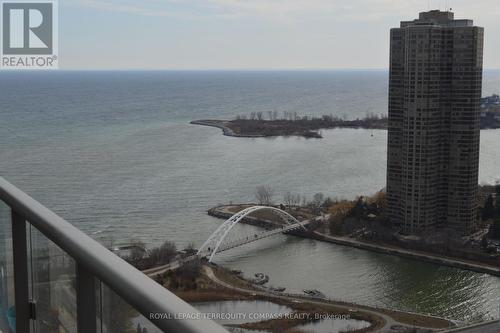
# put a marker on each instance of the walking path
(389, 321)
(417, 255)
(490, 327)
(225, 212)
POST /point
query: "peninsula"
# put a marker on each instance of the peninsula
(304, 126)
(259, 124)
(309, 127)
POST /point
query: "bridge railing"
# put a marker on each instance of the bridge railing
(250, 239)
(53, 277)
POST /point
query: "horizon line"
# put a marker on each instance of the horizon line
(264, 69)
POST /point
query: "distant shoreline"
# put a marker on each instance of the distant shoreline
(307, 128)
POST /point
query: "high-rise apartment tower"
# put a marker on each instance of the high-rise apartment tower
(436, 65)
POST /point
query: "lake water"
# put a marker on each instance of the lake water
(334, 326)
(114, 154)
(241, 312)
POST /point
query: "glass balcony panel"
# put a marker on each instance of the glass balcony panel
(118, 316)
(7, 309)
(53, 285)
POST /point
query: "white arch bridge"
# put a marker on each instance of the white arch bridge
(214, 243)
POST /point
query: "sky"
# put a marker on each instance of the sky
(248, 34)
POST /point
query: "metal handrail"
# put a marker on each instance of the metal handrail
(140, 291)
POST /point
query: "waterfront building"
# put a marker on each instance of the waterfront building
(434, 118)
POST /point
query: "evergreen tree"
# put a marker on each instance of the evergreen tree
(359, 208)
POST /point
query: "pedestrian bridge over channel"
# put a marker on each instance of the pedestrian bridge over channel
(215, 243)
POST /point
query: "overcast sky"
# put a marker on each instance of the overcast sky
(248, 34)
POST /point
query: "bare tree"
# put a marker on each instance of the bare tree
(296, 199)
(163, 254)
(304, 201)
(275, 115)
(292, 199)
(137, 251)
(288, 198)
(264, 195)
(190, 249)
(318, 199)
(259, 115)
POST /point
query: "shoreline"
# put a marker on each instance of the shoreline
(233, 288)
(410, 254)
(390, 317)
(305, 133)
(225, 130)
(221, 212)
(349, 124)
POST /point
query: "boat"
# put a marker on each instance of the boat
(314, 293)
(260, 279)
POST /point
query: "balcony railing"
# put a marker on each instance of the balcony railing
(55, 278)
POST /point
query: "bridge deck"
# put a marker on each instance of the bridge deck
(256, 237)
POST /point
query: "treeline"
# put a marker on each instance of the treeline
(265, 195)
(319, 203)
(143, 258)
(294, 116)
(292, 124)
(347, 216)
